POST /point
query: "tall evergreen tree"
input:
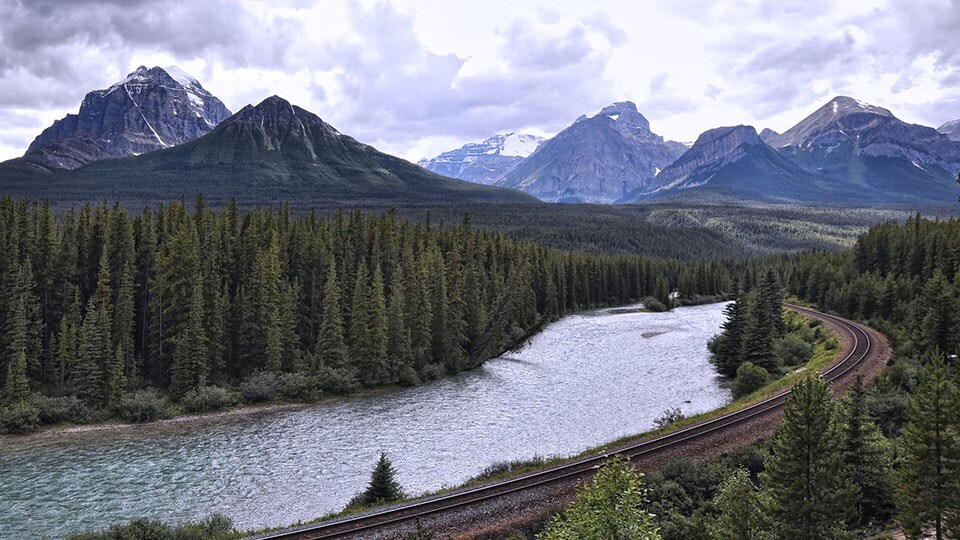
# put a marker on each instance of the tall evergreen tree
(809, 493)
(383, 486)
(867, 458)
(17, 335)
(929, 477)
(190, 360)
(398, 334)
(331, 348)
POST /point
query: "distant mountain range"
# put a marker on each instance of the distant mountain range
(158, 134)
(846, 152)
(486, 162)
(271, 152)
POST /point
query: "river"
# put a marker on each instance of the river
(584, 381)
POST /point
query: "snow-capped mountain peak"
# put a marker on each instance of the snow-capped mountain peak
(487, 161)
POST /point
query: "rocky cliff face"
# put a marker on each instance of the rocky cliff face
(149, 110)
(951, 130)
(597, 160)
(732, 162)
(485, 162)
(853, 141)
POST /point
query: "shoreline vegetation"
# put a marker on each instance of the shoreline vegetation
(66, 430)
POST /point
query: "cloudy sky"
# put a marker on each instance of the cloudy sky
(417, 77)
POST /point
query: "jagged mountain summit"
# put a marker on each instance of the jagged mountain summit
(265, 153)
(768, 134)
(485, 162)
(867, 150)
(598, 159)
(732, 162)
(951, 129)
(148, 110)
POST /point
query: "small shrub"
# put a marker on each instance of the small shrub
(792, 350)
(59, 410)
(20, 417)
(215, 527)
(652, 304)
(509, 466)
(669, 416)
(298, 387)
(209, 398)
(144, 406)
(750, 378)
(261, 386)
(337, 381)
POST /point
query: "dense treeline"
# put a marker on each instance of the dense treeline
(100, 302)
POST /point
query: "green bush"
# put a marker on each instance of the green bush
(669, 416)
(749, 379)
(652, 304)
(261, 386)
(144, 406)
(215, 527)
(298, 387)
(337, 381)
(20, 417)
(59, 410)
(209, 398)
(792, 350)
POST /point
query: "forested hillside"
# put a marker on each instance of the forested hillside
(100, 303)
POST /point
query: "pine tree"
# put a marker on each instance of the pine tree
(331, 349)
(371, 351)
(741, 515)
(810, 496)
(759, 333)
(68, 340)
(17, 335)
(398, 334)
(267, 301)
(190, 360)
(867, 458)
(729, 344)
(929, 477)
(383, 486)
(91, 355)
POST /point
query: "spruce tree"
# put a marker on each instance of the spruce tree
(759, 333)
(867, 458)
(92, 353)
(809, 493)
(331, 349)
(190, 360)
(398, 334)
(729, 344)
(383, 486)
(929, 476)
(17, 336)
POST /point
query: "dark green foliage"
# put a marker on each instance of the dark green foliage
(215, 527)
(613, 505)
(20, 417)
(670, 416)
(144, 406)
(59, 410)
(740, 512)
(750, 378)
(175, 299)
(867, 458)
(929, 491)
(793, 350)
(209, 398)
(810, 496)
(383, 487)
(753, 327)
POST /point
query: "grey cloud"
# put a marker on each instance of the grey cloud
(397, 91)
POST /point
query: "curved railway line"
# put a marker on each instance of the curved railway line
(368, 524)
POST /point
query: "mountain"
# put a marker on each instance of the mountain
(486, 162)
(951, 129)
(868, 152)
(733, 163)
(598, 159)
(148, 110)
(768, 134)
(271, 152)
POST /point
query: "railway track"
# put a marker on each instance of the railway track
(367, 524)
